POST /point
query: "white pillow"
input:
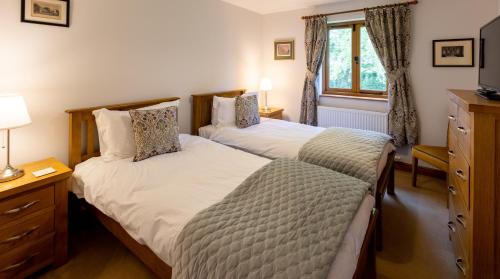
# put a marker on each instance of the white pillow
(224, 110)
(116, 138)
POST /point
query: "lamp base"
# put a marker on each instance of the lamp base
(10, 173)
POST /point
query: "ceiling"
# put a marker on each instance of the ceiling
(274, 6)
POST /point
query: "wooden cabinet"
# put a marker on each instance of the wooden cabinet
(33, 220)
(275, 113)
(474, 183)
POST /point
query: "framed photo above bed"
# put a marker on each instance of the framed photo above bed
(47, 12)
(284, 50)
(453, 53)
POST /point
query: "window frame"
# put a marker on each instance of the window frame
(355, 91)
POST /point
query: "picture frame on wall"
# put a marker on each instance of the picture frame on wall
(453, 53)
(47, 12)
(284, 50)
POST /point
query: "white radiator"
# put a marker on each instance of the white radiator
(352, 118)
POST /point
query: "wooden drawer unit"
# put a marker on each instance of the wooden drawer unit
(21, 262)
(25, 230)
(24, 204)
(464, 133)
(460, 173)
(275, 113)
(474, 184)
(33, 220)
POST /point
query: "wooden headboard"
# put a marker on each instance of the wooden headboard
(83, 143)
(202, 108)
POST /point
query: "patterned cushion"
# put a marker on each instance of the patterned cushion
(155, 132)
(247, 111)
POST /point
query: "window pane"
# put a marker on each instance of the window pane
(340, 56)
(372, 72)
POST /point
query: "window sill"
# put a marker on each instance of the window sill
(357, 96)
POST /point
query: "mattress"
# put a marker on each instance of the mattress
(154, 199)
(273, 139)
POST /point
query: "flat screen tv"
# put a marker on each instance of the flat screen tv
(489, 69)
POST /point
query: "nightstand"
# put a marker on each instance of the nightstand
(34, 220)
(276, 113)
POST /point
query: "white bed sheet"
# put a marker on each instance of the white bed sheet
(154, 199)
(274, 138)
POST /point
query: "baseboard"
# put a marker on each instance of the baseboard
(402, 166)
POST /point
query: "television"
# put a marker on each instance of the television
(489, 65)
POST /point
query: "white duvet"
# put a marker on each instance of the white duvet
(273, 139)
(154, 199)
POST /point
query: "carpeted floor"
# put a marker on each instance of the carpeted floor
(415, 237)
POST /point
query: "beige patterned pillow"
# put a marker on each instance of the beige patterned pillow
(247, 111)
(155, 132)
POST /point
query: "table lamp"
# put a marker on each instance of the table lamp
(13, 114)
(266, 85)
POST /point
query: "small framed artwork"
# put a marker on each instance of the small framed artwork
(284, 50)
(453, 53)
(48, 12)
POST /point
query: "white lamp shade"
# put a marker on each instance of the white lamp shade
(13, 112)
(266, 84)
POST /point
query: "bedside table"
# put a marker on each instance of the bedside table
(34, 220)
(275, 113)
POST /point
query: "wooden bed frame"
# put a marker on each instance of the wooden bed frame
(202, 116)
(83, 146)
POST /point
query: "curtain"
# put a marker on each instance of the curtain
(316, 38)
(390, 31)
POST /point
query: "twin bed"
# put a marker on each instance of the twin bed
(149, 205)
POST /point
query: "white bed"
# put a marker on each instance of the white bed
(153, 199)
(273, 139)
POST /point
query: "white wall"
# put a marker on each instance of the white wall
(115, 52)
(442, 19)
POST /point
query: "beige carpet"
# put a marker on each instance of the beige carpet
(416, 240)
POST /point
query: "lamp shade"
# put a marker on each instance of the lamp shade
(13, 112)
(266, 84)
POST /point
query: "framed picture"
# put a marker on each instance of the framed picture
(48, 12)
(284, 50)
(453, 53)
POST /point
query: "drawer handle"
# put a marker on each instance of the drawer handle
(21, 208)
(451, 153)
(461, 220)
(452, 190)
(451, 117)
(460, 264)
(19, 236)
(461, 175)
(451, 227)
(19, 264)
(462, 130)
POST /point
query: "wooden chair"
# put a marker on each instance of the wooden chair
(434, 155)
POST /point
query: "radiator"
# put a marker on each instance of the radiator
(352, 118)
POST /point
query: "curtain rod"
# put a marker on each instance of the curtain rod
(361, 10)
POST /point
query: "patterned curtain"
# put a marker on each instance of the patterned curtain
(316, 38)
(389, 30)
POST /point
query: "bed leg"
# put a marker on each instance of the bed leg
(378, 228)
(371, 269)
(390, 187)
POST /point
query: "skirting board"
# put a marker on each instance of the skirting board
(421, 170)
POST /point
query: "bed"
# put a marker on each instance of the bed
(280, 139)
(134, 203)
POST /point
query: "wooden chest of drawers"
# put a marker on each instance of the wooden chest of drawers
(474, 184)
(33, 220)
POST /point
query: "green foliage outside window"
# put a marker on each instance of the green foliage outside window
(340, 53)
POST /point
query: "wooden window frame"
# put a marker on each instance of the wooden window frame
(355, 91)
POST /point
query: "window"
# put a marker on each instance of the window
(352, 67)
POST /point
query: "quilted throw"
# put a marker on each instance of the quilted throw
(287, 220)
(350, 151)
